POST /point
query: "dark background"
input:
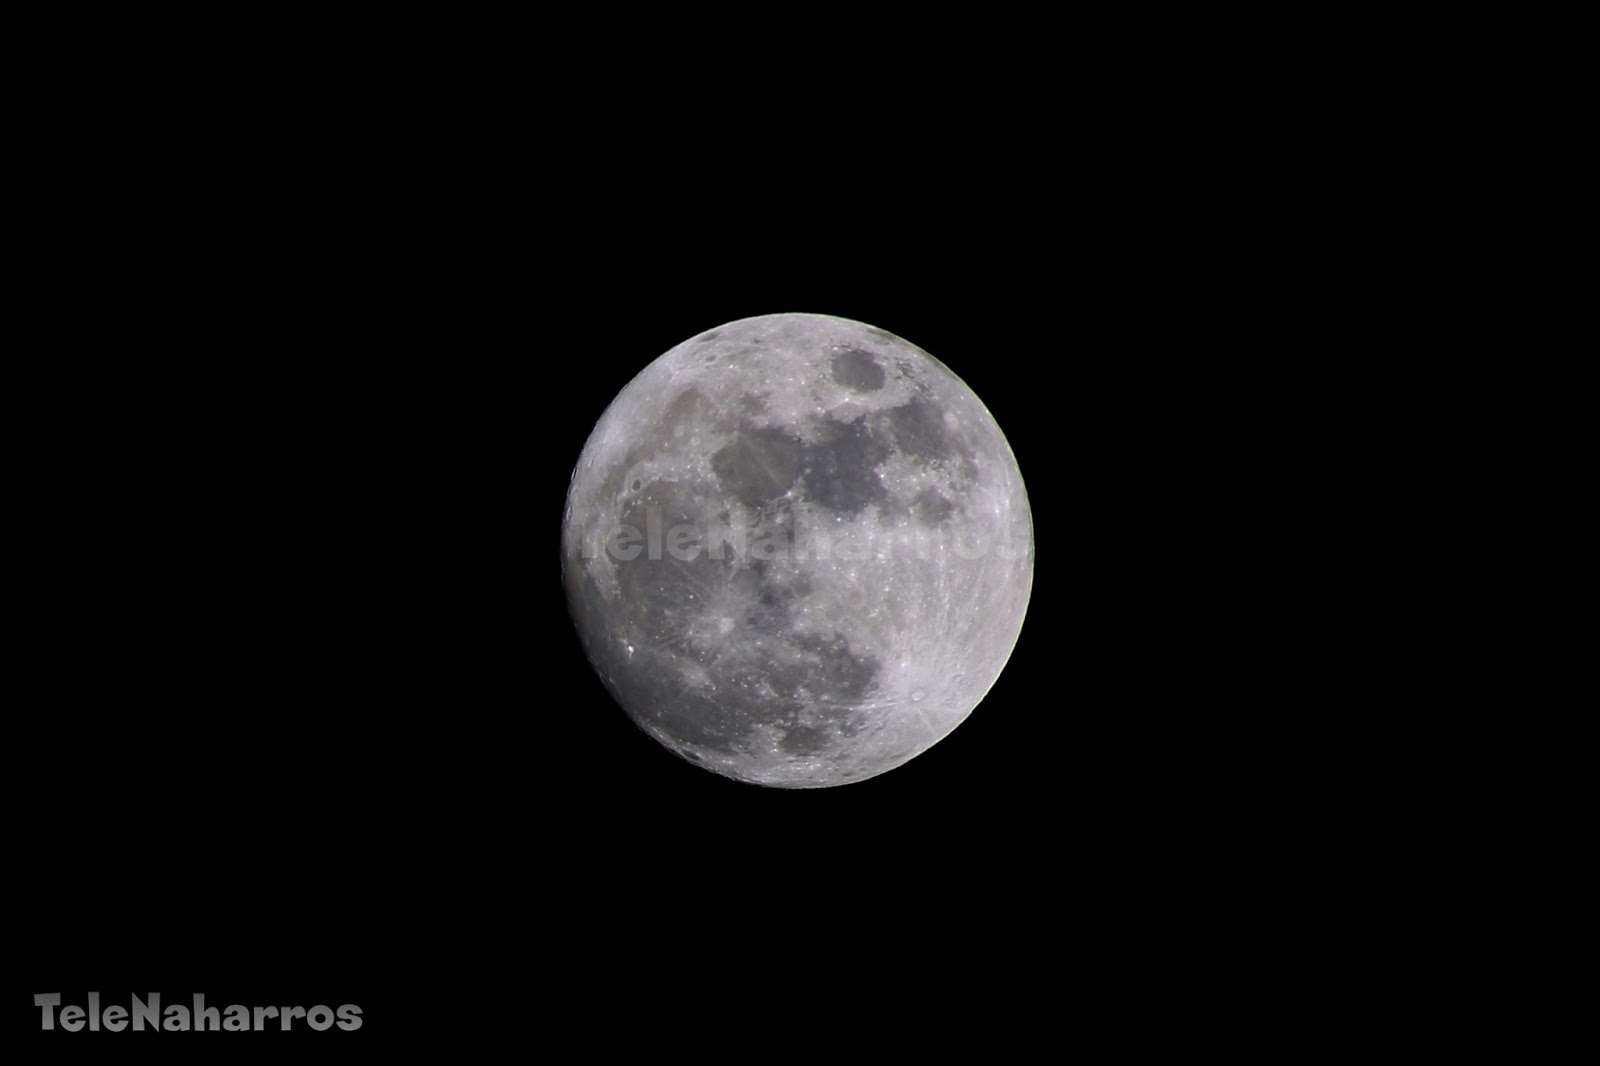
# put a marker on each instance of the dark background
(313, 726)
(309, 334)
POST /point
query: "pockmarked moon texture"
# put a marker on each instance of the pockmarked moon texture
(797, 549)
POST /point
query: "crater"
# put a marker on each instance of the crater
(855, 369)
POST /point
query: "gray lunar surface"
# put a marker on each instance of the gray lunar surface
(798, 550)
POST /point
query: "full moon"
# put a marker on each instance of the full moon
(797, 549)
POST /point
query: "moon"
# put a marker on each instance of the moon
(797, 550)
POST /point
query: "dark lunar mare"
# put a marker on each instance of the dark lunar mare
(840, 470)
(771, 683)
(764, 673)
(705, 652)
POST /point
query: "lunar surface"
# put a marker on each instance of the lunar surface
(797, 549)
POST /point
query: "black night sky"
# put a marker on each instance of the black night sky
(316, 726)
